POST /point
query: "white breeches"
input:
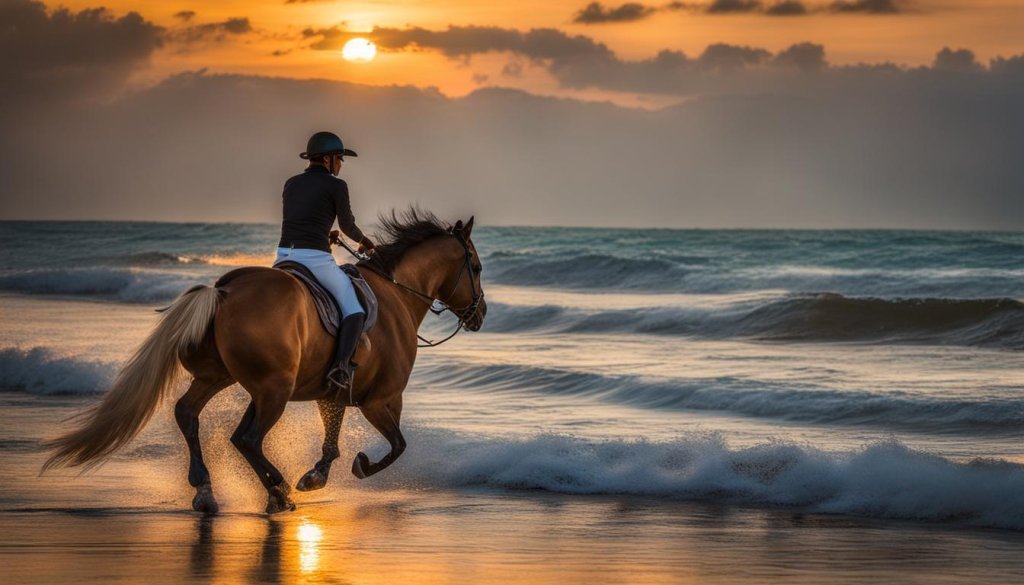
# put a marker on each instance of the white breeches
(326, 270)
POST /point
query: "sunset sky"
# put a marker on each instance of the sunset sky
(302, 38)
(720, 113)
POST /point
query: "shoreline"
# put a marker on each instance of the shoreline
(431, 536)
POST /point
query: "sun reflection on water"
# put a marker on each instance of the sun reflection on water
(309, 536)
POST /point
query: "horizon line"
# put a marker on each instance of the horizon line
(561, 226)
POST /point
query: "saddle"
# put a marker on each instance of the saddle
(326, 305)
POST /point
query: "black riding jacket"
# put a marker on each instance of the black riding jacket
(311, 202)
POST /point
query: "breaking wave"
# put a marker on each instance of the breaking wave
(789, 402)
(43, 372)
(810, 317)
(882, 480)
(102, 283)
(685, 274)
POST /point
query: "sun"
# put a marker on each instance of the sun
(359, 50)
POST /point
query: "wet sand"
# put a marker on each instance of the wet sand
(431, 537)
(128, 523)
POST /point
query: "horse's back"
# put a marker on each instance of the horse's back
(261, 292)
(263, 322)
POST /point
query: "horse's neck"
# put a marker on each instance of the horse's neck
(421, 270)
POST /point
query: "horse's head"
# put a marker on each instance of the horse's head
(462, 291)
(434, 260)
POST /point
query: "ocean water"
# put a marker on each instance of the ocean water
(871, 375)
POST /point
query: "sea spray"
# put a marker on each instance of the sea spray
(883, 480)
(42, 371)
(119, 284)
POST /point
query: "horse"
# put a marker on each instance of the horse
(258, 327)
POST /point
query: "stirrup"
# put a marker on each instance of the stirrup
(339, 378)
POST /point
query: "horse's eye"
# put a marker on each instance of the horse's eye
(478, 269)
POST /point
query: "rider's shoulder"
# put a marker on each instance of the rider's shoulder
(339, 183)
(299, 178)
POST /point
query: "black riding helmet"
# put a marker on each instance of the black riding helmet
(326, 143)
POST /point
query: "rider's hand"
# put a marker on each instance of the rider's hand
(335, 237)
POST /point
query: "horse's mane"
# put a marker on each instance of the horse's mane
(401, 230)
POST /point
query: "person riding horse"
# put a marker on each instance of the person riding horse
(258, 327)
(311, 202)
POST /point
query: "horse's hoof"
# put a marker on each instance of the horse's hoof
(360, 464)
(204, 501)
(278, 500)
(313, 480)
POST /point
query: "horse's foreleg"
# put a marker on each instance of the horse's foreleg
(264, 410)
(384, 417)
(331, 413)
(186, 413)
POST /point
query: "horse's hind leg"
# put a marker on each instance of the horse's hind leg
(331, 413)
(186, 413)
(263, 412)
(384, 416)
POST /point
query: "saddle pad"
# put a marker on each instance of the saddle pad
(326, 305)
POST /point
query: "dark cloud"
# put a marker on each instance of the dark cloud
(596, 13)
(460, 41)
(959, 60)
(878, 147)
(66, 56)
(730, 6)
(786, 8)
(326, 39)
(807, 57)
(727, 58)
(1008, 66)
(867, 6)
(185, 15)
(236, 26)
(213, 31)
(579, 61)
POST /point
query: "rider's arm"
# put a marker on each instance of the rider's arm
(347, 221)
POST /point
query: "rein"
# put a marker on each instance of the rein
(462, 314)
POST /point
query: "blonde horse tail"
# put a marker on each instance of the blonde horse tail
(146, 378)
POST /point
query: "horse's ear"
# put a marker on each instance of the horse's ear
(468, 228)
(457, 227)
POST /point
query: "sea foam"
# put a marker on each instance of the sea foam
(42, 371)
(882, 480)
(103, 283)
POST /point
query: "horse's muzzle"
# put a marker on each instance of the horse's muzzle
(475, 321)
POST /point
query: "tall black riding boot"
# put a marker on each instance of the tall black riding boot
(340, 374)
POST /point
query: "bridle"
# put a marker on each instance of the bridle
(463, 314)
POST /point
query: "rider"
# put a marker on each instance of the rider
(312, 200)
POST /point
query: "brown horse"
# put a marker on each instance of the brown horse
(259, 327)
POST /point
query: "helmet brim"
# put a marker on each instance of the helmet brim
(346, 152)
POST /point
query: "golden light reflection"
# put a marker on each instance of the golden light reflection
(240, 259)
(309, 536)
